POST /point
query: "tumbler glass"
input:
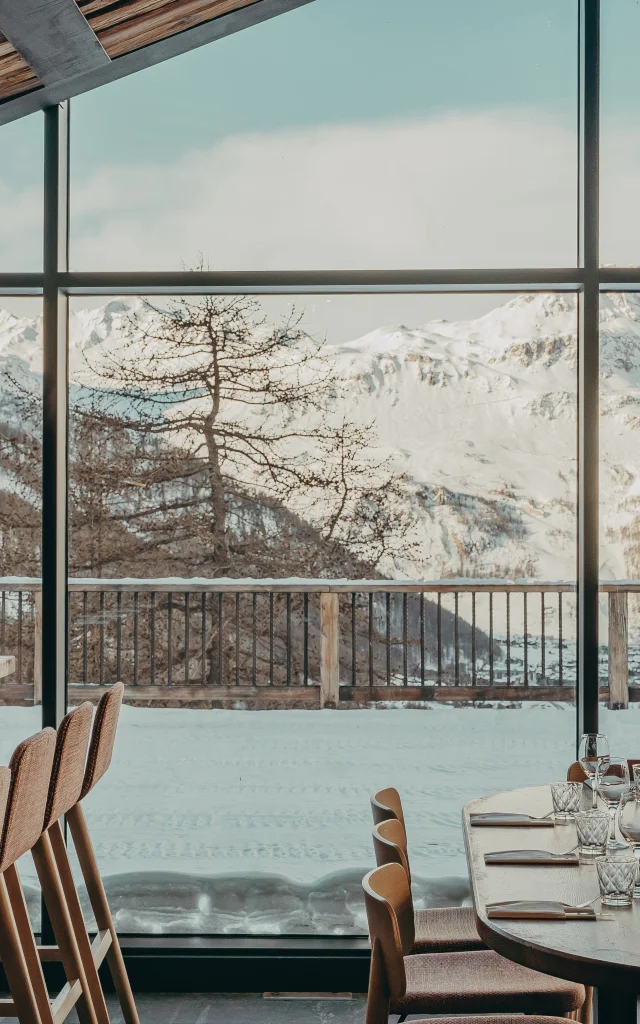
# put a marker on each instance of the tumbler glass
(593, 829)
(617, 876)
(566, 797)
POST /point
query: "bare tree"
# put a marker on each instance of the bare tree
(232, 420)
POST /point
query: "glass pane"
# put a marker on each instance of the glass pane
(340, 136)
(620, 140)
(336, 447)
(21, 194)
(20, 527)
(619, 513)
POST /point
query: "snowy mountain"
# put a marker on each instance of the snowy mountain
(480, 416)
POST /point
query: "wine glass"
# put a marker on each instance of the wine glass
(593, 753)
(629, 825)
(613, 785)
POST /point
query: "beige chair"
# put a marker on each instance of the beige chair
(26, 799)
(106, 944)
(437, 929)
(446, 983)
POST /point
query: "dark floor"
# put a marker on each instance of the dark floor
(211, 1008)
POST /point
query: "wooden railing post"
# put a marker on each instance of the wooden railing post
(329, 651)
(618, 649)
(37, 647)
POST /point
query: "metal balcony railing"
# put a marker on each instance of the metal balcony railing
(317, 641)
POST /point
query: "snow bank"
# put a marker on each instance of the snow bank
(259, 822)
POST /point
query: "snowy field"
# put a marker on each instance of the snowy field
(259, 822)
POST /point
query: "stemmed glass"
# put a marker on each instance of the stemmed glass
(593, 754)
(613, 785)
(629, 825)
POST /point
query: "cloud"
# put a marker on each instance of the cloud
(462, 190)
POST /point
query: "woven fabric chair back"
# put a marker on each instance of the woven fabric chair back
(67, 776)
(30, 766)
(103, 737)
(390, 844)
(386, 804)
(387, 898)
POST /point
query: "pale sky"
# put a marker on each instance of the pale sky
(348, 133)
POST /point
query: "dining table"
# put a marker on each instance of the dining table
(603, 952)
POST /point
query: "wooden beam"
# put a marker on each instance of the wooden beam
(54, 38)
(146, 56)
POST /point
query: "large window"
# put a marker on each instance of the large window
(332, 476)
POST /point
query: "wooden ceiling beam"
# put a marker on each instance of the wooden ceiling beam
(53, 37)
(251, 13)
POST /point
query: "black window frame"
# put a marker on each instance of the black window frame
(185, 963)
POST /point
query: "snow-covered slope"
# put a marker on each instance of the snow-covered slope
(480, 416)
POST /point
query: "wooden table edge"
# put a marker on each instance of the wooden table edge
(531, 954)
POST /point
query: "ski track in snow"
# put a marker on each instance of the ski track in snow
(259, 820)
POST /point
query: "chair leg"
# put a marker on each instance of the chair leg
(57, 908)
(20, 955)
(98, 899)
(61, 857)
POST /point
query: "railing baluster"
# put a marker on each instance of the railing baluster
(254, 599)
(238, 638)
(526, 649)
(491, 638)
(439, 637)
(305, 604)
(19, 636)
(422, 638)
(288, 639)
(560, 679)
(187, 634)
(271, 638)
(203, 636)
(119, 635)
(85, 652)
(456, 639)
(220, 661)
(152, 637)
(136, 597)
(508, 598)
(405, 638)
(370, 638)
(101, 637)
(388, 610)
(542, 650)
(353, 639)
(169, 638)
(473, 638)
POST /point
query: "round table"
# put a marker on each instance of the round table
(605, 954)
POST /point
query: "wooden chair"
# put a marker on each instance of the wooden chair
(30, 772)
(99, 758)
(65, 787)
(576, 772)
(480, 982)
(437, 929)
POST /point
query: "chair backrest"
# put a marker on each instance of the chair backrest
(67, 776)
(30, 766)
(103, 737)
(386, 804)
(576, 772)
(390, 844)
(387, 898)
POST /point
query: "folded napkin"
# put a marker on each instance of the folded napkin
(531, 857)
(510, 820)
(539, 910)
